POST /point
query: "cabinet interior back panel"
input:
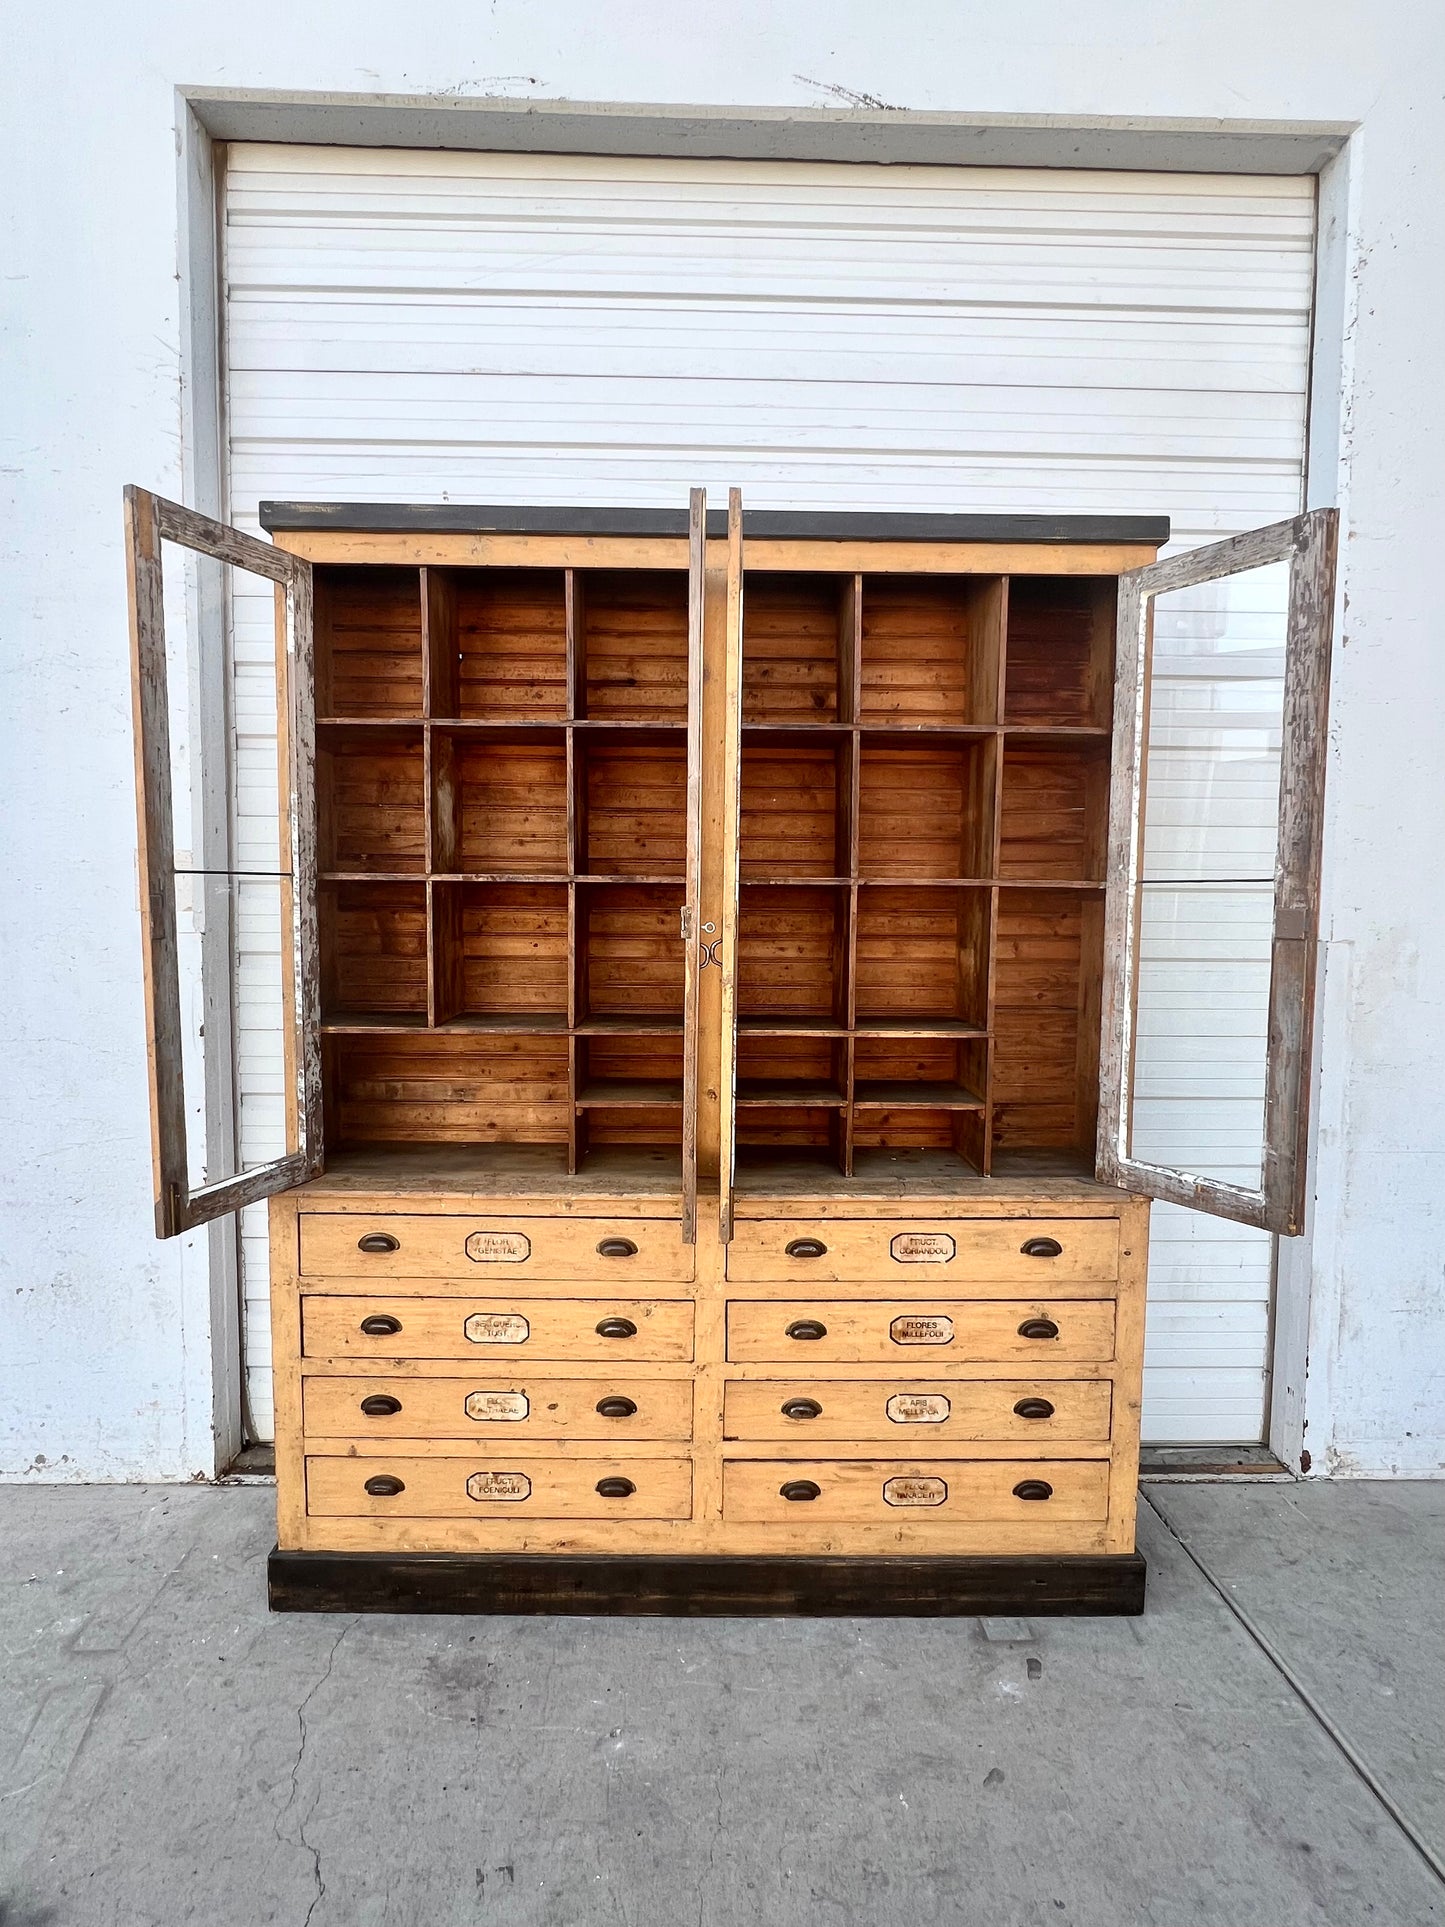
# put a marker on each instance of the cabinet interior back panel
(427, 327)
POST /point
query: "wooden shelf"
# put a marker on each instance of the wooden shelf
(894, 1094)
(788, 1091)
(636, 1090)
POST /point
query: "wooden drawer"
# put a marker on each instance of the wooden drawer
(924, 1255)
(496, 1252)
(498, 1485)
(915, 1491)
(503, 1329)
(496, 1405)
(913, 1332)
(919, 1413)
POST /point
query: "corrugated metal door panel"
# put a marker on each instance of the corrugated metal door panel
(429, 327)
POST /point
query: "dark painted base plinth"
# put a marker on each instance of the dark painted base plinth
(695, 1587)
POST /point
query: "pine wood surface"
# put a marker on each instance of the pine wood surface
(532, 951)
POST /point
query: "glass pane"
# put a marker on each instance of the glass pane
(230, 897)
(228, 941)
(1205, 905)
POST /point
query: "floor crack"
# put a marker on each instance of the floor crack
(302, 1735)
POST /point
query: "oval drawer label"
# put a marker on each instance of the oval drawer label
(499, 1247)
(922, 1247)
(509, 1407)
(918, 1408)
(921, 1328)
(499, 1485)
(914, 1491)
(497, 1328)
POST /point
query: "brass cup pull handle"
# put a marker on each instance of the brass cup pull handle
(376, 1242)
(801, 1408)
(806, 1248)
(616, 1328)
(616, 1406)
(380, 1405)
(616, 1248)
(381, 1324)
(1038, 1328)
(801, 1489)
(1033, 1489)
(807, 1328)
(1042, 1248)
(615, 1488)
(1033, 1408)
(384, 1486)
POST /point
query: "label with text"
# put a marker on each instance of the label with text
(921, 1328)
(508, 1407)
(918, 1408)
(497, 1328)
(922, 1247)
(508, 1486)
(914, 1491)
(499, 1247)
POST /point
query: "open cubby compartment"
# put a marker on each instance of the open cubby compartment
(962, 1130)
(499, 801)
(790, 1071)
(800, 649)
(932, 649)
(921, 957)
(373, 951)
(500, 956)
(371, 800)
(496, 643)
(628, 958)
(1054, 809)
(793, 943)
(941, 1073)
(444, 1089)
(926, 806)
(368, 642)
(630, 802)
(798, 796)
(1047, 974)
(631, 629)
(1060, 651)
(619, 1069)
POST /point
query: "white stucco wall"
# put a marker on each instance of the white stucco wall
(106, 1338)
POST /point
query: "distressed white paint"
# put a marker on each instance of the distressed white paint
(105, 1364)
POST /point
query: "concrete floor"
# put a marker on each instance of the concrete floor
(170, 1754)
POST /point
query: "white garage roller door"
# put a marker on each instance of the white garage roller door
(421, 327)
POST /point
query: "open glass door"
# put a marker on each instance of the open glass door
(691, 920)
(1216, 817)
(732, 750)
(229, 932)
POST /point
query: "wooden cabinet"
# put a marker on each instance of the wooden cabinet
(712, 974)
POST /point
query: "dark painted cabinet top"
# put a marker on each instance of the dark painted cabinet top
(781, 525)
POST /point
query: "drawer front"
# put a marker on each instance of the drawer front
(917, 1414)
(917, 1334)
(498, 1485)
(915, 1491)
(502, 1329)
(923, 1255)
(496, 1405)
(495, 1252)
